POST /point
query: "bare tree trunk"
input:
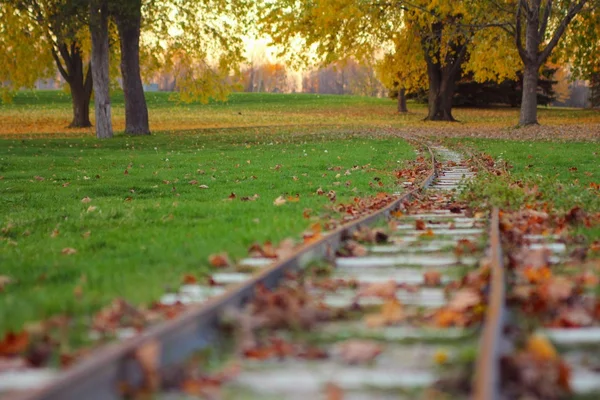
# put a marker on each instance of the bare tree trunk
(402, 101)
(136, 110)
(441, 92)
(81, 92)
(100, 68)
(528, 114)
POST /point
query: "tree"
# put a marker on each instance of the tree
(444, 30)
(98, 24)
(537, 16)
(128, 17)
(58, 30)
(23, 57)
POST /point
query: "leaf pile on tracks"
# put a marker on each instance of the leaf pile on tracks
(289, 306)
(539, 289)
(535, 372)
(547, 290)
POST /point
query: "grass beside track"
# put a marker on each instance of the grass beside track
(146, 225)
(563, 174)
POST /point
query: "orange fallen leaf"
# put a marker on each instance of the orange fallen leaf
(432, 278)
(14, 343)
(541, 347)
(220, 260)
(189, 279)
(420, 225)
(391, 313)
(427, 234)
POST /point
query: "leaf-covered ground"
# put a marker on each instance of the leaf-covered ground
(41, 113)
(83, 222)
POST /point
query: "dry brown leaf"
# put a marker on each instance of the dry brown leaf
(385, 290)
(14, 343)
(333, 392)
(68, 251)
(86, 200)
(220, 260)
(391, 313)
(203, 186)
(4, 280)
(357, 351)
(464, 299)
(432, 278)
(148, 356)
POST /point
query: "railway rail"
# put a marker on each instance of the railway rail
(432, 248)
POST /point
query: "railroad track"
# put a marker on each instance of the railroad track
(396, 315)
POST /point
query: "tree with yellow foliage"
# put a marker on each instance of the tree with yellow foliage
(440, 37)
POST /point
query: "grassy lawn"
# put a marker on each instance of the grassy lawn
(146, 225)
(40, 113)
(143, 230)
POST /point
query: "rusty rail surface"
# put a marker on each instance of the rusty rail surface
(487, 377)
(98, 376)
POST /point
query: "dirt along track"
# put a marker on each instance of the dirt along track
(391, 305)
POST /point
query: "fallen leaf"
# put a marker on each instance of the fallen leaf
(86, 200)
(333, 392)
(279, 201)
(68, 251)
(432, 278)
(420, 225)
(391, 313)
(385, 290)
(55, 233)
(189, 279)
(464, 299)
(4, 280)
(541, 347)
(357, 351)
(440, 357)
(203, 187)
(148, 357)
(220, 260)
(14, 343)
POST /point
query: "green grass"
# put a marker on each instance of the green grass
(139, 248)
(43, 113)
(559, 172)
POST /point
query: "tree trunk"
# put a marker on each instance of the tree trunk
(529, 100)
(100, 68)
(81, 92)
(441, 92)
(136, 110)
(81, 106)
(402, 101)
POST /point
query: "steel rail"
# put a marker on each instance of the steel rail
(487, 375)
(99, 376)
